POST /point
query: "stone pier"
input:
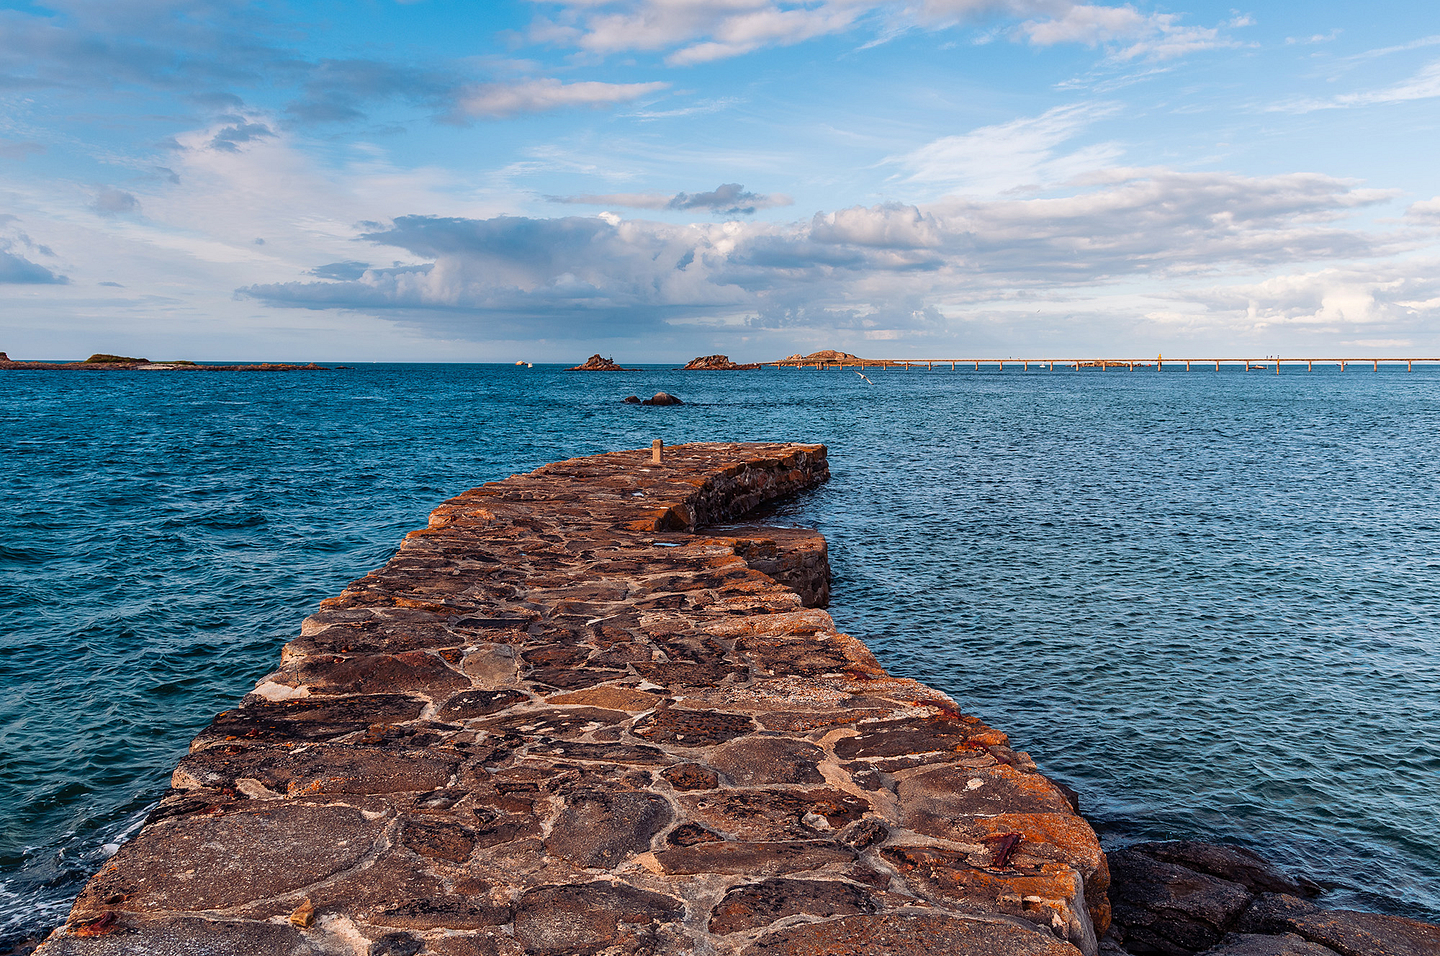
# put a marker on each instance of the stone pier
(583, 712)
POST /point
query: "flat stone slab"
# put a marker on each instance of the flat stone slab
(585, 712)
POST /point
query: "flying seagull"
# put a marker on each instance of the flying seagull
(862, 375)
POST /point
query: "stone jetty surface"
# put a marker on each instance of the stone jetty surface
(582, 712)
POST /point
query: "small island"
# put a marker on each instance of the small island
(122, 363)
(716, 363)
(596, 363)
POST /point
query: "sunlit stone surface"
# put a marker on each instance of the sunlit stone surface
(581, 713)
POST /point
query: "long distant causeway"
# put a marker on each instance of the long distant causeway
(579, 714)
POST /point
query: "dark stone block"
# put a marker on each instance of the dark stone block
(584, 918)
(559, 723)
(322, 768)
(754, 859)
(896, 935)
(599, 829)
(778, 814)
(317, 718)
(373, 673)
(692, 728)
(244, 856)
(760, 904)
(437, 839)
(691, 834)
(691, 776)
(479, 703)
(1287, 944)
(185, 936)
(442, 912)
(396, 944)
(895, 738)
(763, 760)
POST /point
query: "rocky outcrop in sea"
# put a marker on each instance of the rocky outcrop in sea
(596, 363)
(716, 363)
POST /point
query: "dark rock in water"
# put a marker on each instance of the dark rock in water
(1183, 898)
(662, 398)
(632, 399)
(4, 357)
(1345, 931)
(1249, 944)
(715, 363)
(596, 363)
(1232, 863)
(1169, 909)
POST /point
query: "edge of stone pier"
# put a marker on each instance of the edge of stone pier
(583, 712)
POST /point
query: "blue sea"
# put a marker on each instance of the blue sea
(1208, 601)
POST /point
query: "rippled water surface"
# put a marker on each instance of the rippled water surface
(1207, 601)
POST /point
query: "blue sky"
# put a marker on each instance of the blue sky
(659, 179)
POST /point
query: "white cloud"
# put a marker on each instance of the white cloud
(1400, 296)
(1021, 153)
(1424, 85)
(1426, 211)
(1131, 34)
(496, 100)
(852, 265)
(731, 199)
(699, 31)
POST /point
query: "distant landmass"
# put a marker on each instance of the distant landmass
(596, 363)
(715, 363)
(722, 363)
(104, 362)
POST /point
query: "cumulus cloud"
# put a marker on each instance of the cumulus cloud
(700, 31)
(1426, 211)
(497, 100)
(889, 259)
(730, 199)
(1397, 297)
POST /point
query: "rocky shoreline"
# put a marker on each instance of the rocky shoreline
(583, 712)
(145, 365)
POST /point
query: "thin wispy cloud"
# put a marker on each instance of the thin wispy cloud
(731, 199)
(1423, 85)
(501, 100)
(690, 32)
(1022, 154)
(1416, 44)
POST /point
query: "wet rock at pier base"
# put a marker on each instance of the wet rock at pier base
(1185, 898)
